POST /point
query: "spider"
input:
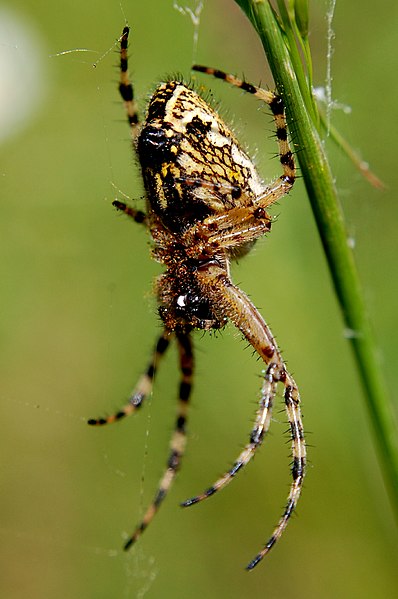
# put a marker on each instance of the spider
(206, 204)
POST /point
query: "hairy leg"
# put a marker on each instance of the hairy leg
(240, 310)
(143, 387)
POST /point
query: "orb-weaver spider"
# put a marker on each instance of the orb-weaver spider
(206, 205)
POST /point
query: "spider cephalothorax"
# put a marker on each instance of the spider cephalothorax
(206, 204)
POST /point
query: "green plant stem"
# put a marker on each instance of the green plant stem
(329, 218)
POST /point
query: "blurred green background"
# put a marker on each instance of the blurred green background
(78, 322)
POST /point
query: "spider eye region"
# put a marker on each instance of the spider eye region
(187, 309)
(192, 305)
(182, 301)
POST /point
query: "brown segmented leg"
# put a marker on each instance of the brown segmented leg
(143, 387)
(261, 426)
(227, 231)
(240, 310)
(137, 215)
(178, 440)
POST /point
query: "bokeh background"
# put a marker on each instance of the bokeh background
(78, 322)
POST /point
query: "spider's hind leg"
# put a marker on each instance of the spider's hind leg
(259, 430)
(143, 387)
(178, 439)
(243, 314)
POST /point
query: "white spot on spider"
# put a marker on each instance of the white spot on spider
(240, 158)
(216, 139)
(181, 301)
(186, 162)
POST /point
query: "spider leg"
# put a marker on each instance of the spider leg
(137, 215)
(240, 310)
(264, 410)
(292, 406)
(143, 387)
(227, 231)
(284, 183)
(178, 440)
(260, 429)
(125, 86)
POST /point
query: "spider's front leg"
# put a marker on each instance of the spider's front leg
(143, 387)
(125, 86)
(126, 91)
(284, 183)
(240, 310)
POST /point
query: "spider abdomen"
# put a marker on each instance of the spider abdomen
(192, 164)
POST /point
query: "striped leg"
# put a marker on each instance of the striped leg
(283, 184)
(248, 320)
(137, 215)
(292, 405)
(144, 385)
(178, 440)
(125, 86)
(127, 93)
(260, 429)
